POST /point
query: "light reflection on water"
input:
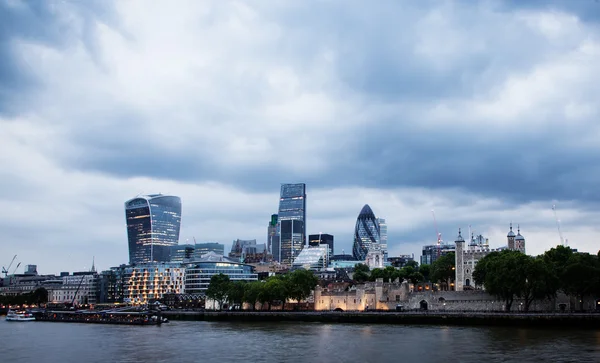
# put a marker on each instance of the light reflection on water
(290, 342)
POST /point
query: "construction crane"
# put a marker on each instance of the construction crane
(15, 269)
(5, 270)
(562, 241)
(438, 234)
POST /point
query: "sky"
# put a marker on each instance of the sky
(485, 112)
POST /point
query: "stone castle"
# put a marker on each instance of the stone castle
(466, 257)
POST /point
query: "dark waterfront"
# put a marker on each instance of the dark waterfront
(183, 341)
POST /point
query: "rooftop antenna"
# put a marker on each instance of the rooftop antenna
(562, 241)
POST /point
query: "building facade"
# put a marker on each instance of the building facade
(467, 256)
(79, 289)
(383, 237)
(273, 241)
(315, 240)
(366, 233)
(199, 273)
(200, 249)
(153, 223)
(181, 253)
(313, 258)
(292, 221)
(431, 253)
(151, 281)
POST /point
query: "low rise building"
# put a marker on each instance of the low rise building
(199, 272)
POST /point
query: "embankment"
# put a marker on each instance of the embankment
(558, 320)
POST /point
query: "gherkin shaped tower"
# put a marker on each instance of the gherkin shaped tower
(366, 233)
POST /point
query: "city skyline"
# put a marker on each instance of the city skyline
(485, 112)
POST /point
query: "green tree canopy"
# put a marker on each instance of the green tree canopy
(300, 284)
(253, 292)
(425, 270)
(236, 292)
(361, 272)
(218, 288)
(442, 269)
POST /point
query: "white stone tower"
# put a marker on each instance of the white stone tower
(459, 266)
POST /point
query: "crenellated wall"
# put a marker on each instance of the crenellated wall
(386, 296)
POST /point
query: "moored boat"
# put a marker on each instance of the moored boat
(21, 315)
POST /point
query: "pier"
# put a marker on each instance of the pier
(102, 317)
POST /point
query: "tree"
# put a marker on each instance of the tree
(413, 264)
(235, 292)
(502, 275)
(300, 284)
(425, 270)
(443, 269)
(275, 289)
(253, 293)
(361, 272)
(39, 296)
(540, 282)
(218, 288)
(581, 276)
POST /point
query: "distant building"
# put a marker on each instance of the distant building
(314, 258)
(273, 240)
(151, 281)
(248, 251)
(383, 237)
(316, 240)
(431, 253)
(181, 253)
(401, 260)
(467, 256)
(201, 249)
(79, 289)
(292, 221)
(153, 223)
(110, 285)
(366, 233)
(199, 273)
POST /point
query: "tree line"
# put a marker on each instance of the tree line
(296, 285)
(37, 297)
(511, 274)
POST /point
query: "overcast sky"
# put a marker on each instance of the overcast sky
(486, 112)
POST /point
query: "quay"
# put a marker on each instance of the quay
(102, 317)
(554, 320)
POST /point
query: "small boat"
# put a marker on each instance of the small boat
(19, 316)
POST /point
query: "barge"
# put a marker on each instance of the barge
(103, 317)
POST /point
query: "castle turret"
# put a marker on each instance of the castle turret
(519, 243)
(511, 238)
(458, 262)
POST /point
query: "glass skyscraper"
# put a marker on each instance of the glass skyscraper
(292, 221)
(153, 223)
(383, 236)
(366, 233)
(273, 237)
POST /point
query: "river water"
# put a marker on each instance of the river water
(183, 341)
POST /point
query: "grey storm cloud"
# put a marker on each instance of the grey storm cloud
(493, 101)
(377, 58)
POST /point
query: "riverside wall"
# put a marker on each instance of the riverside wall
(530, 320)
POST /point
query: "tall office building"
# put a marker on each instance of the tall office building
(273, 237)
(153, 223)
(366, 233)
(201, 249)
(182, 253)
(292, 221)
(383, 236)
(314, 240)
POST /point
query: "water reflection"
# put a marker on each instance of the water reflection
(291, 342)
